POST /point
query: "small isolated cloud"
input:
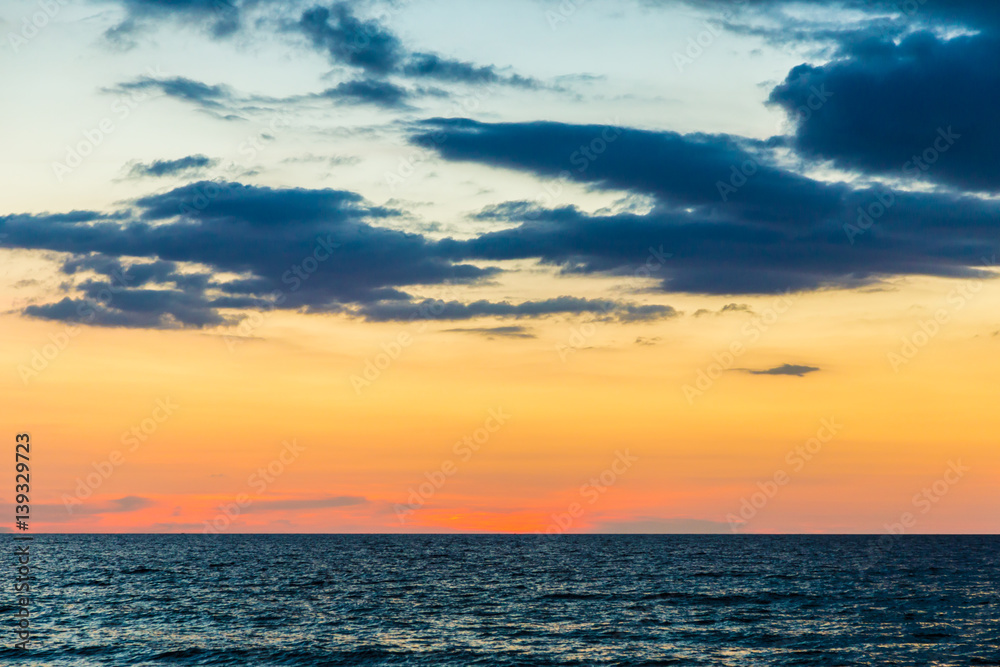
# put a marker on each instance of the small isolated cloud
(181, 88)
(369, 91)
(182, 166)
(672, 526)
(648, 341)
(306, 503)
(784, 369)
(176, 526)
(331, 160)
(728, 308)
(116, 506)
(494, 332)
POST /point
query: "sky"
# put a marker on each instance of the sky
(654, 266)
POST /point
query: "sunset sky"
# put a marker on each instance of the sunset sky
(523, 265)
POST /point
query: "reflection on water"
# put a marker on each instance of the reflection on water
(513, 600)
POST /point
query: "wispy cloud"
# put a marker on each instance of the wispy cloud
(305, 503)
(181, 167)
(497, 332)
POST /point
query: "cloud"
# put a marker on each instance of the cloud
(784, 369)
(677, 169)
(658, 526)
(202, 254)
(497, 332)
(177, 526)
(387, 311)
(222, 18)
(369, 91)
(158, 264)
(182, 88)
(728, 308)
(351, 41)
(920, 109)
(330, 160)
(228, 104)
(772, 232)
(305, 504)
(62, 513)
(378, 52)
(428, 65)
(116, 506)
(981, 15)
(182, 166)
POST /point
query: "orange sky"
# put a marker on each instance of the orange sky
(360, 456)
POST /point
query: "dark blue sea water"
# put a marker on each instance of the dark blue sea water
(511, 600)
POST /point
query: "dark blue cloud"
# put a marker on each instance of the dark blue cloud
(455, 310)
(182, 88)
(351, 41)
(192, 256)
(923, 108)
(222, 18)
(777, 231)
(289, 248)
(184, 165)
(983, 15)
(694, 170)
(370, 46)
(369, 91)
(429, 65)
(229, 104)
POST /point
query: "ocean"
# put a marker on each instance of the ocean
(313, 600)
